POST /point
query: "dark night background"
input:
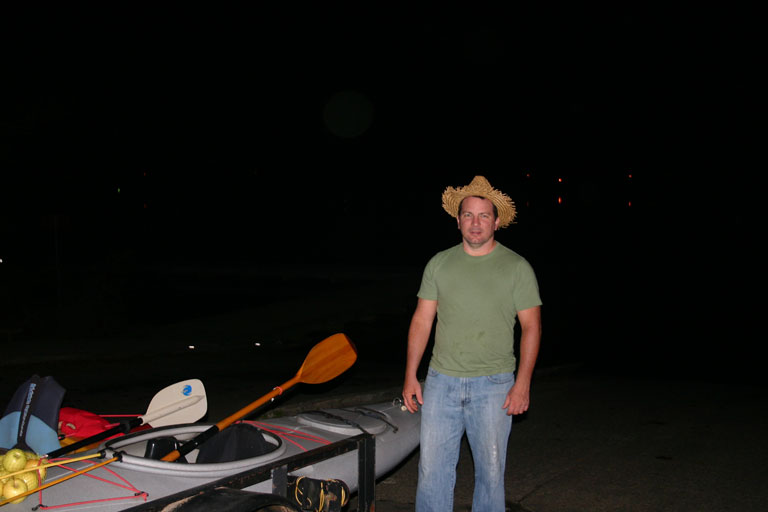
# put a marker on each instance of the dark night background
(167, 163)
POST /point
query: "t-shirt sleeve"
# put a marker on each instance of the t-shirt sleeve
(428, 288)
(526, 289)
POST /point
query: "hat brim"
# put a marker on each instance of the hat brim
(452, 198)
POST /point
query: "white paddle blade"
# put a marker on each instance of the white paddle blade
(183, 402)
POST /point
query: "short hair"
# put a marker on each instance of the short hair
(495, 210)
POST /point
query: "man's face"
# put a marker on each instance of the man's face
(477, 221)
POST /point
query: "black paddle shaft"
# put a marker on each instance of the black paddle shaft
(122, 428)
(196, 441)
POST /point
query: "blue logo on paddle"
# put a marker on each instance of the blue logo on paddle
(187, 390)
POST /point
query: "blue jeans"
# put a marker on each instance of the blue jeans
(453, 405)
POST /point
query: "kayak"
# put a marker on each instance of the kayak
(139, 476)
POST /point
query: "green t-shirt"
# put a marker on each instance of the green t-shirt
(478, 298)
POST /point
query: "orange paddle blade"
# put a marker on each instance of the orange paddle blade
(327, 360)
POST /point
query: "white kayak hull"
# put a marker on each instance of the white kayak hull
(135, 479)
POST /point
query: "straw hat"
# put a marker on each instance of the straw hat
(480, 187)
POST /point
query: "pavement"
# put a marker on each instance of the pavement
(605, 442)
(591, 441)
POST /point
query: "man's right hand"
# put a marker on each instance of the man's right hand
(412, 395)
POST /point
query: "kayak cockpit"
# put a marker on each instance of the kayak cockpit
(240, 444)
(240, 441)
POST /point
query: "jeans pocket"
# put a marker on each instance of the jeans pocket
(502, 378)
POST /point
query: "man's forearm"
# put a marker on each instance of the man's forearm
(418, 337)
(530, 341)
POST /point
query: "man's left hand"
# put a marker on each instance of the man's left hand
(517, 400)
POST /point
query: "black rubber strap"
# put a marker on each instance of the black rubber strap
(339, 418)
(373, 413)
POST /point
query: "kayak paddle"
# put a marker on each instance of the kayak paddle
(183, 402)
(327, 360)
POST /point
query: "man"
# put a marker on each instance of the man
(476, 290)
